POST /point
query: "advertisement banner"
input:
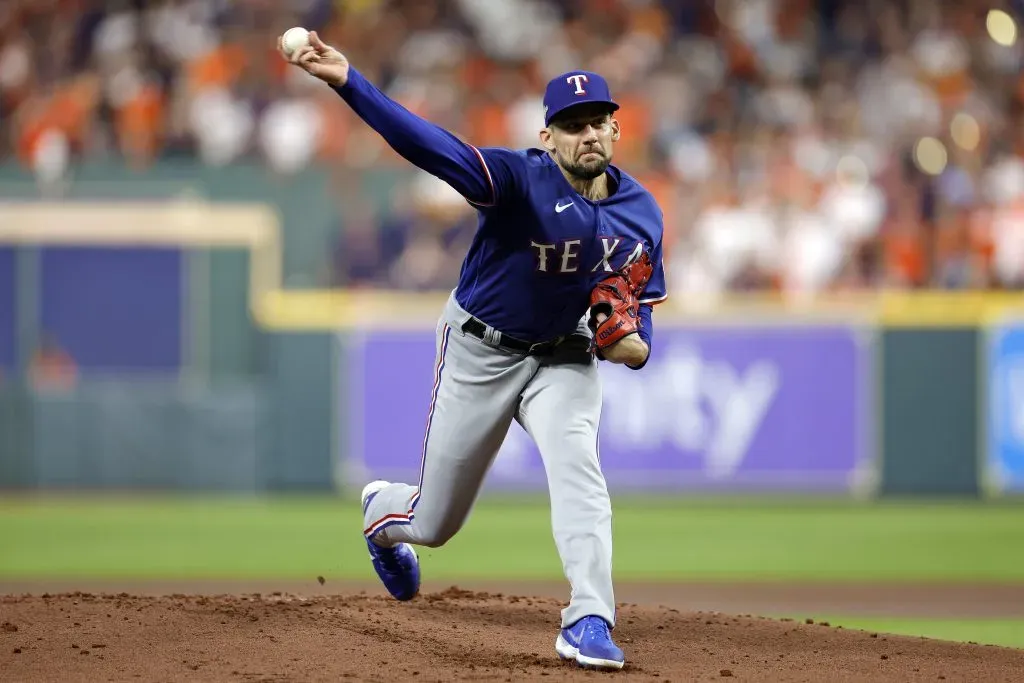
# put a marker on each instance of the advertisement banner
(1005, 461)
(722, 408)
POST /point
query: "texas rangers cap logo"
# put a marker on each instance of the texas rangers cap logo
(578, 80)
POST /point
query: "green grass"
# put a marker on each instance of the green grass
(656, 538)
(1005, 632)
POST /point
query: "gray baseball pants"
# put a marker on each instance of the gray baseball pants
(478, 390)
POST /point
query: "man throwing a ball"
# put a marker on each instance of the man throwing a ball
(562, 273)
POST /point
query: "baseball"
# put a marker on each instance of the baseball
(293, 39)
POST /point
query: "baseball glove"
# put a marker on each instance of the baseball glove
(616, 297)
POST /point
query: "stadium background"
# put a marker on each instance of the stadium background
(218, 291)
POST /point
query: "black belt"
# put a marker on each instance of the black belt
(478, 329)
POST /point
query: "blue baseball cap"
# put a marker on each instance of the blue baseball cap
(572, 88)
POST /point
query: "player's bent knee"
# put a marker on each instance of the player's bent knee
(437, 536)
(436, 541)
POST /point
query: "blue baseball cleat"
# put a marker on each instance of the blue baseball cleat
(397, 567)
(589, 642)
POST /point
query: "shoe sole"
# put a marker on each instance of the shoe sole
(568, 652)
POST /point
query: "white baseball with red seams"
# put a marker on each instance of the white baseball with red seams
(293, 39)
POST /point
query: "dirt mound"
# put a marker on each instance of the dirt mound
(453, 634)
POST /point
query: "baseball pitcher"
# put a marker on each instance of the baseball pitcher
(562, 273)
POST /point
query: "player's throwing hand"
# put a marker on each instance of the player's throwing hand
(319, 59)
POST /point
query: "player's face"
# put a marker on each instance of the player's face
(581, 140)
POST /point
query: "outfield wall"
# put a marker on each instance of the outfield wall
(205, 361)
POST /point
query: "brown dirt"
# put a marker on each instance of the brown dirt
(456, 634)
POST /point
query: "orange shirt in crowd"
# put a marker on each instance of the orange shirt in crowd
(68, 110)
(219, 67)
(139, 123)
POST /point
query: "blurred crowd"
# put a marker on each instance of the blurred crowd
(799, 146)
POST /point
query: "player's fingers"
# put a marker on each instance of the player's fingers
(304, 54)
(322, 47)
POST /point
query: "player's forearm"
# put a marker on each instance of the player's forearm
(631, 351)
(419, 141)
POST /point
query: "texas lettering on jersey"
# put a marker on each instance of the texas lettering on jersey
(540, 246)
(567, 254)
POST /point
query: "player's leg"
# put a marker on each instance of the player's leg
(475, 391)
(561, 410)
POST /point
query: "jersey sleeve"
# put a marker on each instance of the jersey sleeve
(654, 293)
(505, 170)
(484, 177)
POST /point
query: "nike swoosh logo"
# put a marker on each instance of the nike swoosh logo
(559, 208)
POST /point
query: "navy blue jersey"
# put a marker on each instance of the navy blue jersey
(540, 246)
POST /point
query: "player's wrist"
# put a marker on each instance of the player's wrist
(341, 80)
(636, 350)
(642, 354)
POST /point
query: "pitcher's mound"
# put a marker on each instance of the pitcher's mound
(454, 634)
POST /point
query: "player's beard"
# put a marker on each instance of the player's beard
(587, 170)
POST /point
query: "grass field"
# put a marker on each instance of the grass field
(1005, 632)
(655, 539)
(509, 538)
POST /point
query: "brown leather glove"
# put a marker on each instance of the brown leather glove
(616, 297)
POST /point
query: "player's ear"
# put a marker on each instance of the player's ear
(545, 139)
(615, 129)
